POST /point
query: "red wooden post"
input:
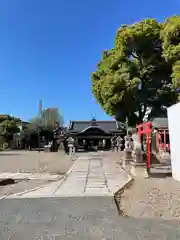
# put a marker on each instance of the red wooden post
(164, 140)
(148, 151)
(146, 130)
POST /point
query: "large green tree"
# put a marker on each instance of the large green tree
(141, 70)
(8, 127)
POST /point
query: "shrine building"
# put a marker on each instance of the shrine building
(93, 134)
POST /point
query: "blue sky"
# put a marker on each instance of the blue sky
(48, 49)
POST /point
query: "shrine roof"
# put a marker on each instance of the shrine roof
(160, 123)
(108, 126)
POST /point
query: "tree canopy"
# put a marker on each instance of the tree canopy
(141, 70)
(47, 120)
(8, 127)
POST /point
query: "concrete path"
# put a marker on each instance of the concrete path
(91, 217)
(90, 175)
(76, 218)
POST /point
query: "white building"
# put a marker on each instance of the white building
(174, 135)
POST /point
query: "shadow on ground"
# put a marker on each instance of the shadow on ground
(8, 181)
(10, 154)
(160, 175)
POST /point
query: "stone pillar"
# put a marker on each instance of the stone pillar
(138, 167)
(113, 144)
(127, 152)
(119, 143)
(137, 151)
(104, 143)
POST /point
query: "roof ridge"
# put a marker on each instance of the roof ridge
(92, 120)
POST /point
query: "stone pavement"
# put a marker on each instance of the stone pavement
(90, 175)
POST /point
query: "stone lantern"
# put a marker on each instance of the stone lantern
(113, 140)
(71, 145)
(137, 152)
(138, 166)
(119, 143)
(127, 151)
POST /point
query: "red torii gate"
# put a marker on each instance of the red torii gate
(145, 128)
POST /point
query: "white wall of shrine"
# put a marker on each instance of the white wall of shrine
(174, 135)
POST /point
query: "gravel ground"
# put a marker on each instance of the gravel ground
(21, 186)
(155, 197)
(151, 198)
(34, 162)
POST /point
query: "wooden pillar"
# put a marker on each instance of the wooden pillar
(148, 150)
(165, 140)
(159, 141)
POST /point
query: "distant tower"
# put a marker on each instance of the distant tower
(40, 107)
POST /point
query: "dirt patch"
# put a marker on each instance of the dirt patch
(35, 162)
(151, 198)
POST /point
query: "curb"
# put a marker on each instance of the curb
(130, 177)
(128, 182)
(21, 193)
(120, 191)
(32, 178)
(37, 188)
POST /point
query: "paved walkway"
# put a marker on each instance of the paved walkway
(76, 218)
(91, 175)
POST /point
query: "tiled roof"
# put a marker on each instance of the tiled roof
(4, 115)
(160, 123)
(108, 126)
